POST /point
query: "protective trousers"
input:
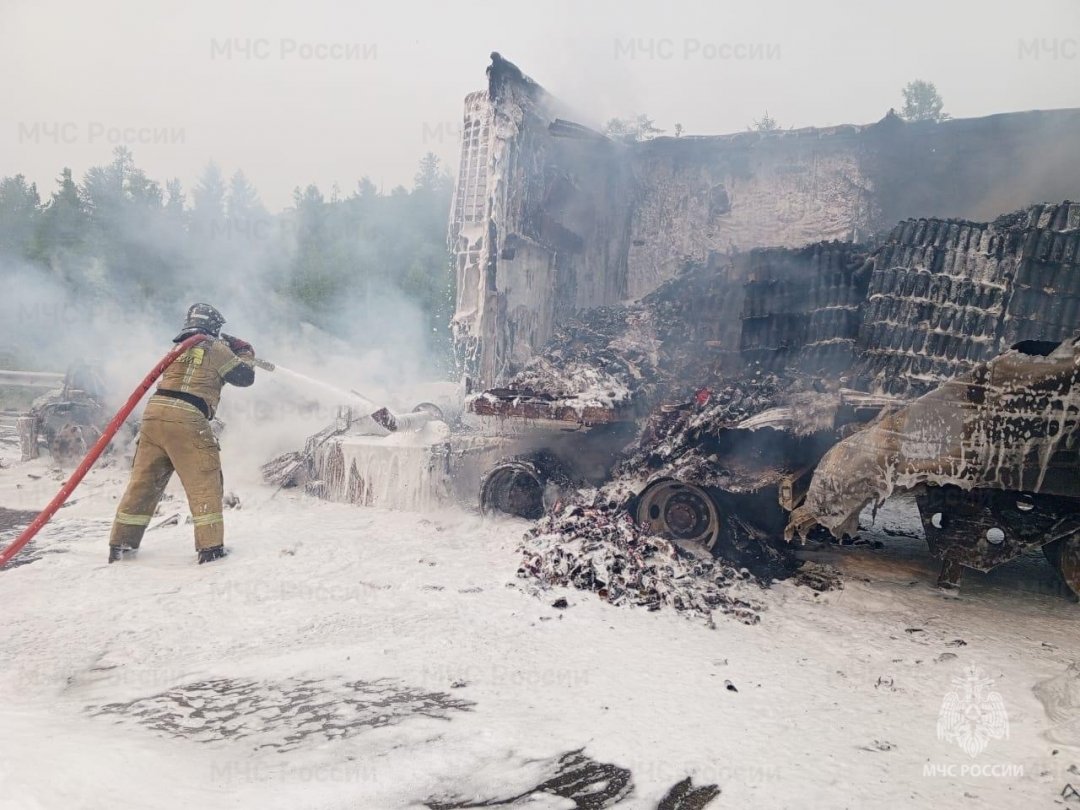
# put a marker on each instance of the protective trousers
(173, 437)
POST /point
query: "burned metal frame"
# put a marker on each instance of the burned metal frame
(984, 528)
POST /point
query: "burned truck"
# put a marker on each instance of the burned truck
(778, 314)
(781, 391)
(696, 329)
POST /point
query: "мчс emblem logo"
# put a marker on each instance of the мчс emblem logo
(971, 714)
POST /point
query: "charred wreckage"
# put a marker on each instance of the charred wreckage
(787, 358)
(67, 419)
(944, 361)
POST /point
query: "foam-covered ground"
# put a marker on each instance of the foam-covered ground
(352, 658)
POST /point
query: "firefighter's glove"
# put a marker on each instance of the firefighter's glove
(239, 346)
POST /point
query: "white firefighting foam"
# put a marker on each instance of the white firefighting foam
(326, 599)
(405, 470)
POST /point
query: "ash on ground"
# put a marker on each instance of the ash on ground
(590, 785)
(281, 715)
(600, 549)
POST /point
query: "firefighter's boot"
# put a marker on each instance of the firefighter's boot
(118, 553)
(213, 553)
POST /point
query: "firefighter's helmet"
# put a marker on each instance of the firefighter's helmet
(204, 316)
(201, 318)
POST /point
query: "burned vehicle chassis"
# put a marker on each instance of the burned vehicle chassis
(979, 529)
(984, 528)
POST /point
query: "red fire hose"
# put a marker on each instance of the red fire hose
(96, 450)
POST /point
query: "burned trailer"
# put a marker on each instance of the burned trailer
(555, 228)
(976, 323)
(833, 341)
(944, 302)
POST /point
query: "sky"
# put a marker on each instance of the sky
(328, 92)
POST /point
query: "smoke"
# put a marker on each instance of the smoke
(119, 311)
(45, 326)
(1037, 167)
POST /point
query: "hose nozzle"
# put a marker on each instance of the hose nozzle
(265, 365)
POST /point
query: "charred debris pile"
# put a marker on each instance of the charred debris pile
(705, 352)
(612, 363)
(744, 372)
(594, 548)
(731, 319)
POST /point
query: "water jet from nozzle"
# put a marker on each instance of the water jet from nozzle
(340, 393)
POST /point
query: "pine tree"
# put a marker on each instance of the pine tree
(19, 209)
(427, 176)
(242, 202)
(765, 124)
(174, 201)
(208, 204)
(63, 224)
(316, 281)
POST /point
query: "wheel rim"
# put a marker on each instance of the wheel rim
(680, 512)
(515, 489)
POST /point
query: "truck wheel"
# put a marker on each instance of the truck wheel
(678, 511)
(514, 488)
(1064, 556)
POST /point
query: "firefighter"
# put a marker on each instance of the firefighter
(175, 435)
